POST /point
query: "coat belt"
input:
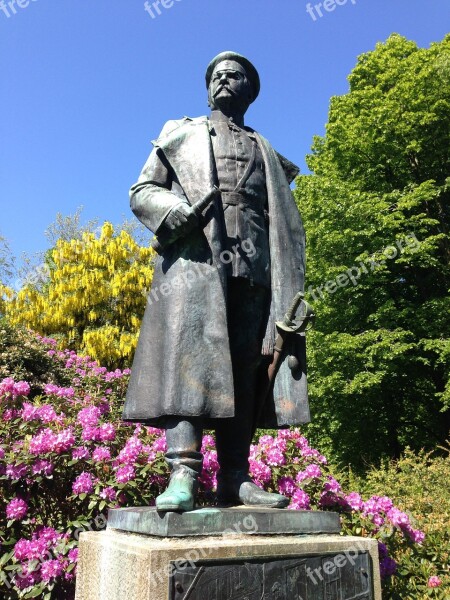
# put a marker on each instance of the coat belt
(243, 201)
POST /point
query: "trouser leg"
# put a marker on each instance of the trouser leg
(184, 440)
(247, 318)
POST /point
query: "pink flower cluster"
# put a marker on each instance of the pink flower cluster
(434, 581)
(45, 413)
(16, 509)
(48, 440)
(381, 511)
(83, 484)
(42, 558)
(9, 389)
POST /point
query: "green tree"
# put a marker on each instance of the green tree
(6, 272)
(6, 261)
(376, 210)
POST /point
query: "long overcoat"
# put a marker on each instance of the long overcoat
(182, 364)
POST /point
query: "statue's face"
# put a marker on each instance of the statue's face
(229, 86)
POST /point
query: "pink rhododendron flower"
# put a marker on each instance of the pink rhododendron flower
(265, 440)
(83, 484)
(275, 457)
(210, 461)
(398, 518)
(152, 430)
(308, 452)
(64, 441)
(53, 390)
(208, 442)
(80, 453)
(260, 471)
(130, 452)
(385, 504)
(89, 416)
(7, 387)
(47, 414)
(51, 569)
(300, 501)
(30, 549)
(311, 472)
(26, 578)
(416, 536)
(91, 434)
(101, 454)
(289, 434)
(331, 485)
(73, 555)
(355, 501)
(160, 445)
(21, 388)
(47, 534)
(10, 414)
(29, 412)
(107, 432)
(125, 474)
(434, 582)
(378, 520)
(17, 509)
(16, 472)
(109, 494)
(43, 442)
(286, 486)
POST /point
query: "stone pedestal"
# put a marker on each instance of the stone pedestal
(240, 565)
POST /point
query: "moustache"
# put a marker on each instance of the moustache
(223, 87)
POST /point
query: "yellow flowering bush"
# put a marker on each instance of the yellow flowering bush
(94, 298)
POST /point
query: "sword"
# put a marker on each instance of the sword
(285, 329)
(162, 242)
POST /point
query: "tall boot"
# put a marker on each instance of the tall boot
(184, 438)
(234, 484)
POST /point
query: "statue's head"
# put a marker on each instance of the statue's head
(232, 81)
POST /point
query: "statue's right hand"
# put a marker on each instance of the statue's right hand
(181, 219)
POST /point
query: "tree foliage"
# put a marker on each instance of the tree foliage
(6, 261)
(376, 210)
(94, 297)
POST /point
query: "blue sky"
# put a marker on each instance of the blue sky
(87, 84)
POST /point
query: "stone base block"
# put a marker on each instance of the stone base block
(114, 565)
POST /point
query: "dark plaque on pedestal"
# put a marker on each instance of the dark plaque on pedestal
(346, 576)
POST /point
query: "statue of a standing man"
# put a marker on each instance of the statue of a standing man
(229, 266)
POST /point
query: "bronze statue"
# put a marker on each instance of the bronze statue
(231, 244)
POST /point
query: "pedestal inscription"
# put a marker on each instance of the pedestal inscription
(327, 577)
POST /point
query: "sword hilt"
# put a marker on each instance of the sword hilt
(289, 324)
